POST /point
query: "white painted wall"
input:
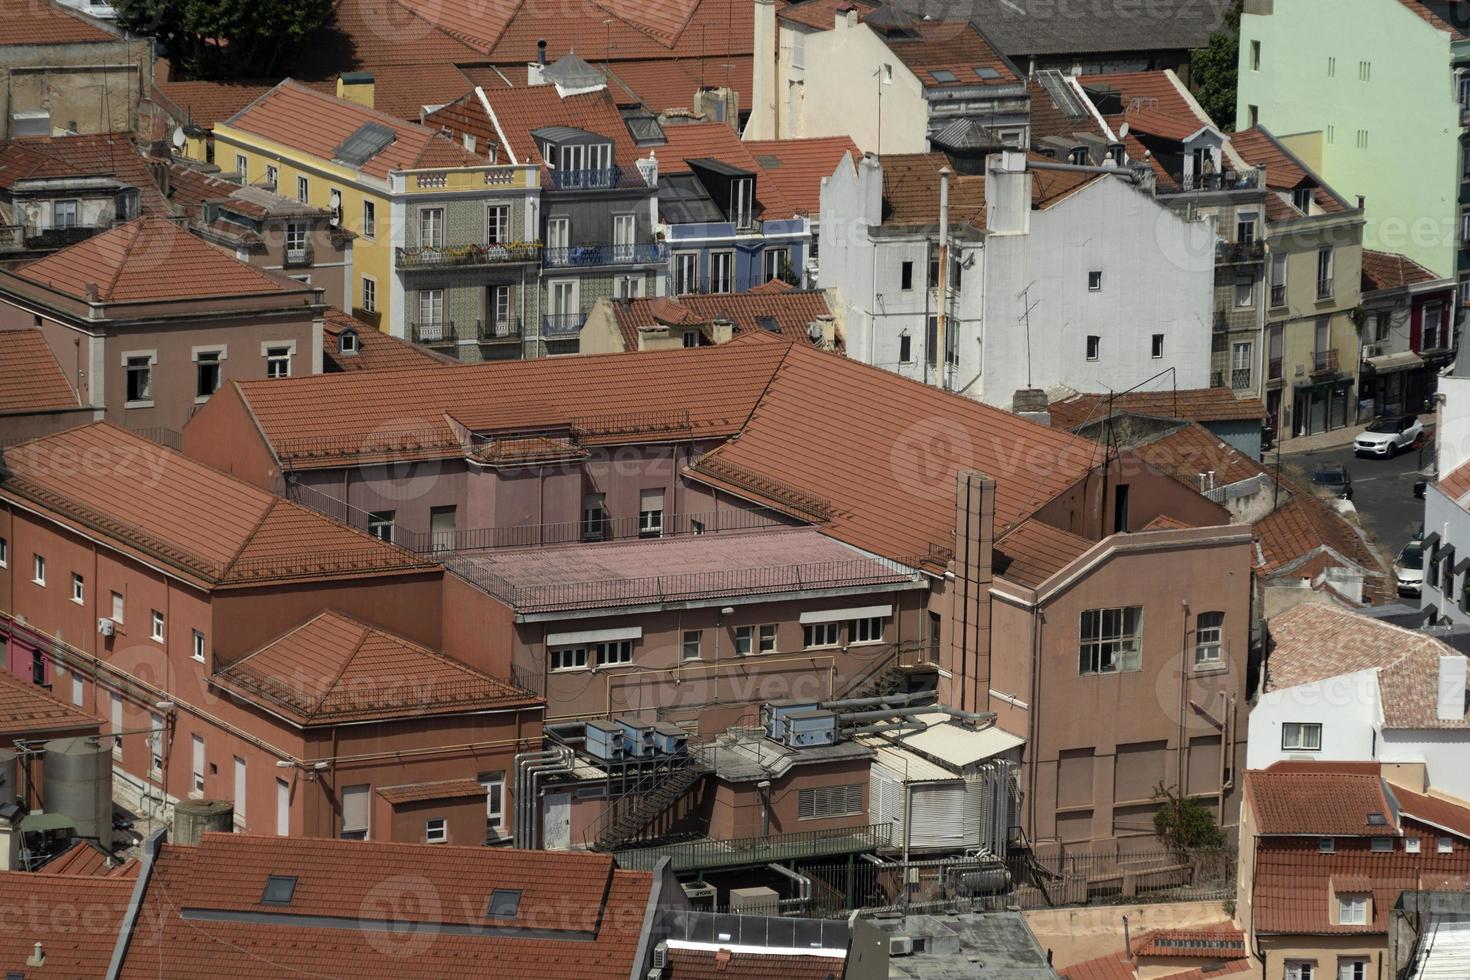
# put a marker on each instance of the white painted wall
(1347, 707)
(1453, 439)
(1443, 752)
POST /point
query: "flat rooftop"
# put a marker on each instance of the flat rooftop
(678, 569)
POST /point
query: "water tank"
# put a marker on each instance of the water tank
(9, 777)
(194, 818)
(78, 784)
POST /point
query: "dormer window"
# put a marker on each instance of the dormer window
(347, 341)
(1301, 199)
(742, 201)
(1079, 156)
(578, 159)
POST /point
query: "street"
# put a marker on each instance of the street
(1383, 490)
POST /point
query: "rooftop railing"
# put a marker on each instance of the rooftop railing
(701, 854)
(1229, 180)
(595, 179)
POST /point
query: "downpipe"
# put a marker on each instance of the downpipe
(523, 762)
(537, 773)
(803, 884)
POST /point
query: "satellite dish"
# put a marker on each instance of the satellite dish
(179, 139)
(1123, 130)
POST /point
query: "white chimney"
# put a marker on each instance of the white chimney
(1451, 702)
(648, 169)
(1007, 193)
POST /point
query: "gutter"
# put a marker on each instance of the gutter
(151, 848)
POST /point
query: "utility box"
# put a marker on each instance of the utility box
(637, 737)
(604, 740)
(803, 728)
(777, 712)
(755, 901)
(701, 894)
(670, 739)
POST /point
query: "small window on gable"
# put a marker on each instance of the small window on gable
(279, 890)
(1445, 845)
(347, 341)
(1411, 845)
(505, 903)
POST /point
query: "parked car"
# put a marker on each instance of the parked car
(1333, 480)
(1408, 568)
(1388, 435)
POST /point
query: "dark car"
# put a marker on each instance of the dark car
(1334, 480)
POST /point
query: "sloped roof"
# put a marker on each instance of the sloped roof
(99, 155)
(34, 381)
(1313, 641)
(911, 190)
(1433, 15)
(1191, 451)
(1456, 483)
(1189, 404)
(315, 123)
(28, 709)
(47, 909)
(442, 789)
(151, 259)
(1284, 172)
(161, 503)
(1302, 526)
(1319, 802)
(376, 351)
(670, 83)
(955, 46)
(1219, 941)
(798, 166)
(1035, 551)
(205, 103)
(702, 142)
(685, 963)
(1119, 966)
(572, 919)
(1035, 28)
(46, 22)
(86, 857)
(189, 187)
(1048, 118)
(522, 111)
(1390, 270)
(790, 309)
(334, 669)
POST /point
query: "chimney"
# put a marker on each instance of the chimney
(722, 960)
(1031, 404)
(541, 51)
(1451, 701)
(1007, 193)
(356, 86)
(648, 169)
(37, 957)
(93, 295)
(721, 330)
(763, 80)
(870, 189)
(846, 16)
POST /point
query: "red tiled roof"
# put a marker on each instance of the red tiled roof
(1433, 811)
(212, 526)
(1035, 551)
(1390, 270)
(1049, 120)
(444, 789)
(1284, 172)
(911, 190)
(152, 259)
(1190, 404)
(26, 709)
(953, 45)
(1221, 941)
(75, 918)
(1318, 802)
(315, 123)
(581, 916)
(719, 142)
(189, 187)
(1118, 966)
(1305, 525)
(1195, 456)
(798, 166)
(791, 309)
(726, 964)
(1165, 522)
(1156, 92)
(670, 83)
(99, 155)
(86, 858)
(205, 103)
(522, 111)
(34, 381)
(45, 22)
(376, 351)
(404, 90)
(1456, 483)
(1432, 17)
(335, 669)
(709, 29)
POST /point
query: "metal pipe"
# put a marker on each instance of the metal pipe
(900, 699)
(803, 883)
(879, 729)
(941, 330)
(523, 761)
(537, 774)
(859, 717)
(1081, 168)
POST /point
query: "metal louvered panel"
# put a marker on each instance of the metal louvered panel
(938, 814)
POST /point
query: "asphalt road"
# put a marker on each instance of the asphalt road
(1383, 490)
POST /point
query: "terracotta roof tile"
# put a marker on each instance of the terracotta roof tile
(1432, 17)
(152, 259)
(719, 142)
(791, 310)
(1284, 172)
(45, 22)
(956, 46)
(376, 351)
(26, 708)
(1048, 119)
(1190, 404)
(201, 521)
(709, 964)
(1433, 811)
(1221, 941)
(444, 789)
(911, 190)
(333, 669)
(75, 918)
(98, 155)
(1319, 803)
(1312, 642)
(86, 858)
(1152, 91)
(189, 187)
(1118, 966)
(1195, 456)
(315, 123)
(1165, 522)
(205, 103)
(34, 380)
(670, 83)
(1390, 270)
(1456, 483)
(581, 915)
(522, 111)
(709, 29)
(798, 167)
(1035, 551)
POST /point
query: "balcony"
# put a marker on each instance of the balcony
(1236, 253)
(461, 256)
(599, 179)
(1240, 379)
(1324, 288)
(581, 256)
(562, 324)
(434, 332)
(1229, 180)
(298, 255)
(1324, 362)
(503, 329)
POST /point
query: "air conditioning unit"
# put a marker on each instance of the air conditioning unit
(900, 945)
(106, 626)
(1371, 350)
(700, 894)
(661, 956)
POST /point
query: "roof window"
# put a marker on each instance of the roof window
(347, 341)
(943, 75)
(988, 73)
(1377, 820)
(278, 890)
(505, 903)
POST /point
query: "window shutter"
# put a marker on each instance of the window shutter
(355, 809)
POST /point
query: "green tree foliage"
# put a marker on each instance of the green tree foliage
(224, 39)
(1184, 824)
(1214, 69)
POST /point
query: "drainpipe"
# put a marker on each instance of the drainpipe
(523, 761)
(765, 790)
(803, 883)
(563, 765)
(941, 333)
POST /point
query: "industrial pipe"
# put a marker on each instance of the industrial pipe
(537, 773)
(880, 715)
(523, 761)
(803, 883)
(899, 699)
(1081, 168)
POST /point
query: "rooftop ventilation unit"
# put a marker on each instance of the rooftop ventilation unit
(637, 737)
(776, 712)
(604, 740)
(806, 728)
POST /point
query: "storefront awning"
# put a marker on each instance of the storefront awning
(1405, 360)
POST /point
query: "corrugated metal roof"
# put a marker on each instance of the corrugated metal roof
(957, 745)
(907, 766)
(1445, 954)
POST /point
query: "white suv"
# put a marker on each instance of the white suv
(1387, 435)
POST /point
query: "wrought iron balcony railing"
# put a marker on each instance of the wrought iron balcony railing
(590, 255)
(1278, 294)
(299, 255)
(1231, 253)
(438, 256)
(1324, 362)
(562, 324)
(599, 178)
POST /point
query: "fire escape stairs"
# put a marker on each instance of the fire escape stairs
(650, 805)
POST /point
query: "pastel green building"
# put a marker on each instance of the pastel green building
(1369, 94)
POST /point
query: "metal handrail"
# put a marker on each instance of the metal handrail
(631, 253)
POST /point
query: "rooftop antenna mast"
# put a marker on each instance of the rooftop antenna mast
(1025, 318)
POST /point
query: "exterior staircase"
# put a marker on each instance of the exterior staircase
(626, 824)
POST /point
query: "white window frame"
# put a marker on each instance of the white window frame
(198, 648)
(151, 359)
(1094, 347)
(119, 606)
(78, 689)
(1352, 968)
(272, 175)
(1294, 736)
(381, 524)
(612, 653)
(820, 636)
(369, 219)
(1156, 347)
(559, 233)
(155, 746)
(4, 553)
(744, 641)
(1352, 910)
(1411, 845)
(215, 354)
(766, 638)
(369, 294)
(303, 188)
(686, 272)
(690, 644)
(78, 588)
(73, 220)
(431, 228)
(242, 167)
(561, 660)
(724, 281)
(1209, 641)
(1245, 300)
(771, 260)
(276, 352)
(366, 830)
(1301, 970)
(497, 224)
(197, 765)
(115, 716)
(1109, 650)
(156, 626)
(868, 629)
(38, 569)
(436, 830)
(494, 783)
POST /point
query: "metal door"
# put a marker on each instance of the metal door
(556, 822)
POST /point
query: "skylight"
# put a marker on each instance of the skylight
(988, 73)
(368, 141)
(1377, 820)
(505, 903)
(278, 890)
(944, 75)
(768, 323)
